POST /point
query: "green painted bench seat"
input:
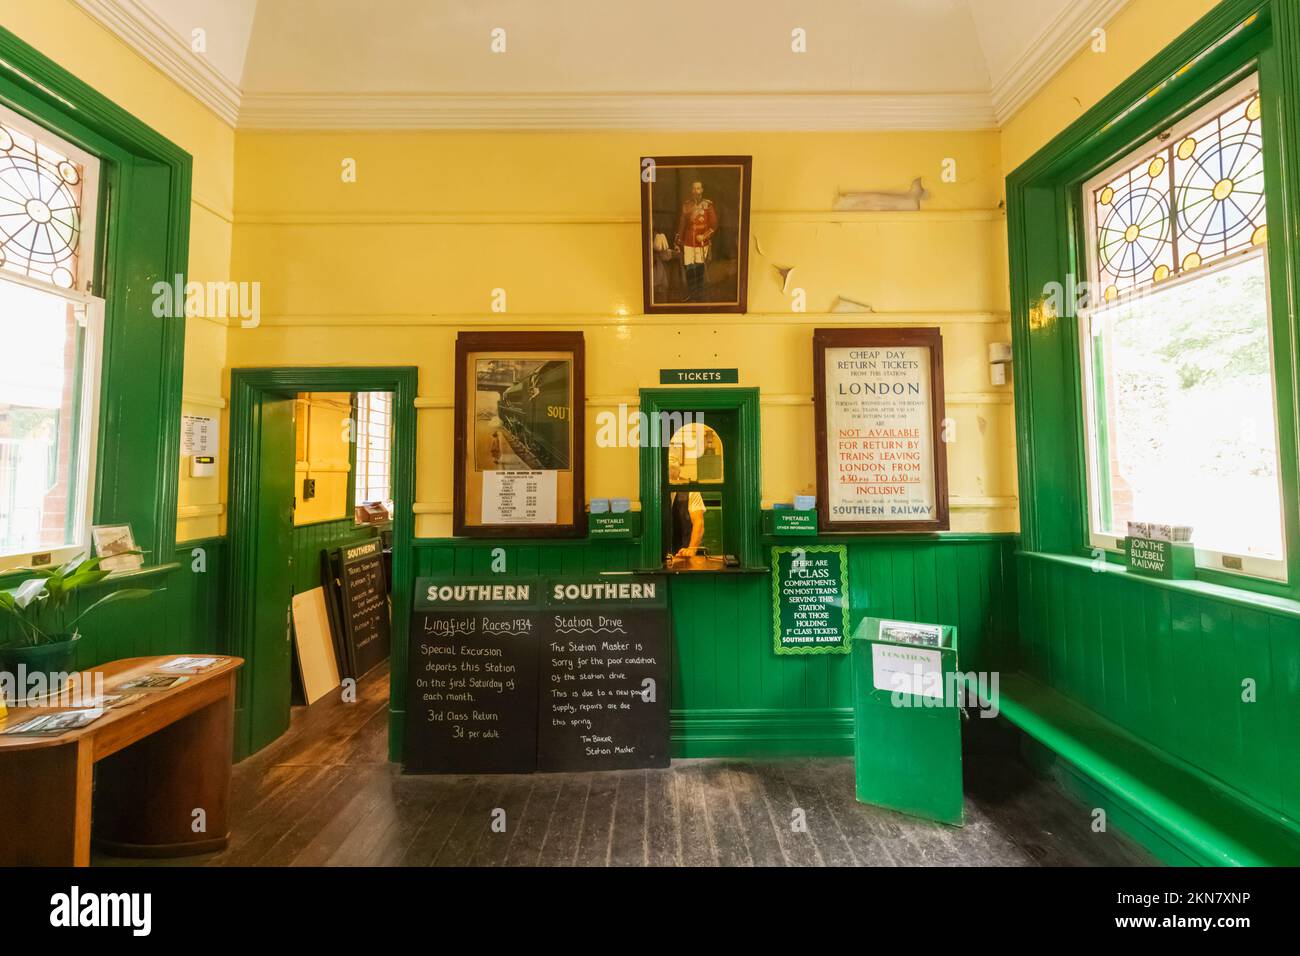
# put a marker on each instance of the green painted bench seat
(1203, 819)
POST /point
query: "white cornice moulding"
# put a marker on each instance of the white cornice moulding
(167, 50)
(1049, 54)
(713, 112)
(159, 44)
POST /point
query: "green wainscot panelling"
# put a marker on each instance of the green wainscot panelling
(731, 695)
(183, 617)
(1208, 677)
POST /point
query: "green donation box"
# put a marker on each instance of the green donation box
(907, 718)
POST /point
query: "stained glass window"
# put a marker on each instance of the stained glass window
(1194, 200)
(40, 209)
(53, 329)
(1178, 372)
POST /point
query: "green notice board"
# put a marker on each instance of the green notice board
(1172, 560)
(810, 600)
(907, 719)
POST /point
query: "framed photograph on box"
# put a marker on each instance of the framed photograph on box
(114, 544)
(881, 459)
(695, 233)
(519, 435)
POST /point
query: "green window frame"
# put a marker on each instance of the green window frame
(1163, 256)
(1046, 245)
(142, 237)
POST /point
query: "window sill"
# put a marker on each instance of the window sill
(1203, 589)
(689, 572)
(13, 578)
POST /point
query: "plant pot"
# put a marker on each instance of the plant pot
(52, 659)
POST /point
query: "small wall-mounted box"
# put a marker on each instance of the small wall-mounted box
(203, 466)
(999, 362)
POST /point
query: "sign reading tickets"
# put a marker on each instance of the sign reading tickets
(810, 600)
(880, 429)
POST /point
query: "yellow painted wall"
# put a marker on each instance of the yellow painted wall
(1140, 31)
(386, 270)
(322, 422)
(72, 39)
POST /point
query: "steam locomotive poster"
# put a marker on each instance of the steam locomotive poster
(522, 414)
(519, 433)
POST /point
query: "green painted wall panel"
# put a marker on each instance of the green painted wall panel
(184, 616)
(730, 694)
(1168, 667)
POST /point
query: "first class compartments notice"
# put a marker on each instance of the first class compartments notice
(552, 674)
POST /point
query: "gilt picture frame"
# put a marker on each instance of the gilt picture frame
(695, 233)
(519, 435)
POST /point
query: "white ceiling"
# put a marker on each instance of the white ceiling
(670, 64)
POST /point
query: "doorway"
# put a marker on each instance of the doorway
(720, 464)
(261, 573)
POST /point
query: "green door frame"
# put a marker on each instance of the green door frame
(746, 459)
(247, 388)
(144, 233)
(1046, 246)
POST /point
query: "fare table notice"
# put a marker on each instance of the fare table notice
(472, 676)
(604, 674)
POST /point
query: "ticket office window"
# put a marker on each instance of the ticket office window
(700, 511)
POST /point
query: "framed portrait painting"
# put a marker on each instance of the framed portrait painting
(519, 435)
(695, 233)
(880, 424)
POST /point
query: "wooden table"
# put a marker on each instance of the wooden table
(159, 759)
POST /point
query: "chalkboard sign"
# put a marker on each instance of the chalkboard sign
(472, 677)
(365, 605)
(603, 702)
(810, 600)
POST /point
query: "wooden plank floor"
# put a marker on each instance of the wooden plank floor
(325, 794)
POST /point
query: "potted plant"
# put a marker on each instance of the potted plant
(40, 636)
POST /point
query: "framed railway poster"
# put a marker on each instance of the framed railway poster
(881, 458)
(519, 435)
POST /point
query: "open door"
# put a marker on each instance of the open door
(270, 678)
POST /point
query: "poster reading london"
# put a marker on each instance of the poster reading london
(879, 434)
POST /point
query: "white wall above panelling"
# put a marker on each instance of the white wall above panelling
(597, 64)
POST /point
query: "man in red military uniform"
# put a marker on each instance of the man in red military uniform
(695, 228)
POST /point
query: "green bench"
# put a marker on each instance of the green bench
(1179, 813)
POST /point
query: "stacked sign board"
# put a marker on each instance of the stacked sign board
(551, 674)
(356, 599)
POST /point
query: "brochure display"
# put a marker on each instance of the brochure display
(907, 718)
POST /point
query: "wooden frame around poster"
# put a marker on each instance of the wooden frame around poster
(744, 167)
(523, 343)
(929, 338)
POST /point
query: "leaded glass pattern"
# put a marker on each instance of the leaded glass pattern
(1195, 200)
(40, 210)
